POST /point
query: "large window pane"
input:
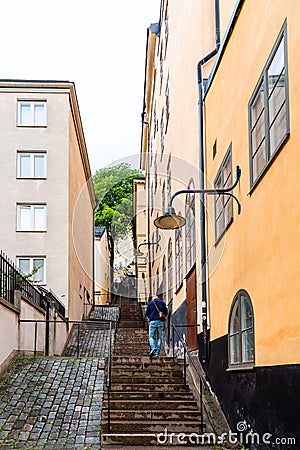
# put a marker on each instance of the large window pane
(258, 133)
(39, 276)
(277, 65)
(259, 161)
(40, 114)
(234, 349)
(25, 114)
(276, 100)
(24, 218)
(235, 322)
(278, 130)
(257, 107)
(24, 164)
(247, 346)
(246, 313)
(39, 218)
(39, 166)
(24, 265)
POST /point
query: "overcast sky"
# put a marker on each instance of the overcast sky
(98, 44)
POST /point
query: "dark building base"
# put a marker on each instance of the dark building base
(266, 399)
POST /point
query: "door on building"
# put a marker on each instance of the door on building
(191, 310)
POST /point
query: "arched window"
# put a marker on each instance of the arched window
(241, 331)
(178, 256)
(190, 237)
(170, 271)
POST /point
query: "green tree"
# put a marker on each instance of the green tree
(113, 188)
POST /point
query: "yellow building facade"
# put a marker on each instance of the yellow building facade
(221, 91)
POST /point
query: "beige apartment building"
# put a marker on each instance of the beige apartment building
(47, 208)
(102, 267)
(141, 246)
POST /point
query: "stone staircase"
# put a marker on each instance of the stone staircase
(149, 402)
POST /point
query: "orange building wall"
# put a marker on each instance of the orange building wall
(261, 250)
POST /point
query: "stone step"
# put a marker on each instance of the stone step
(130, 324)
(152, 404)
(153, 396)
(132, 341)
(138, 380)
(150, 372)
(149, 415)
(132, 332)
(152, 426)
(144, 360)
(149, 387)
(155, 440)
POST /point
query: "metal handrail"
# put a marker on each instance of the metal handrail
(78, 322)
(108, 379)
(202, 384)
(12, 279)
(65, 322)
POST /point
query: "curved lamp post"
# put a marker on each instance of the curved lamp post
(138, 252)
(171, 221)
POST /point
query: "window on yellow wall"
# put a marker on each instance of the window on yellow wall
(241, 331)
(223, 203)
(269, 111)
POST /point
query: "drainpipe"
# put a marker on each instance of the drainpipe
(204, 355)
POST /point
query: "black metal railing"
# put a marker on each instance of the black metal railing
(202, 385)
(67, 322)
(11, 279)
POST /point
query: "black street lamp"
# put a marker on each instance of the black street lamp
(171, 221)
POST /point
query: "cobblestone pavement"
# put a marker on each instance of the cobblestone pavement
(104, 312)
(52, 403)
(93, 337)
(93, 341)
(55, 402)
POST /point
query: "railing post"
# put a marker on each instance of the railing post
(173, 344)
(78, 339)
(108, 383)
(184, 365)
(201, 407)
(35, 338)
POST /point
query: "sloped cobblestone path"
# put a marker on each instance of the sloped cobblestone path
(52, 402)
(56, 402)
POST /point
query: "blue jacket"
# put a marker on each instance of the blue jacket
(151, 311)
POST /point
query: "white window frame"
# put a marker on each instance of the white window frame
(32, 155)
(32, 104)
(32, 207)
(239, 333)
(31, 265)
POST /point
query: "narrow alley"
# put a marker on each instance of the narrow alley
(62, 402)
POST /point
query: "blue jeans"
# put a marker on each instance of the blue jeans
(155, 327)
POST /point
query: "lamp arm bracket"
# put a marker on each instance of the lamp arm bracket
(149, 243)
(225, 191)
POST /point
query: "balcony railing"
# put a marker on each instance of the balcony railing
(11, 280)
